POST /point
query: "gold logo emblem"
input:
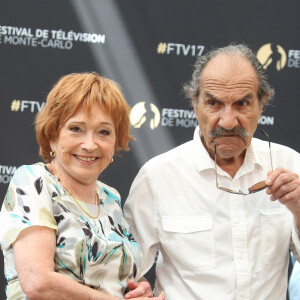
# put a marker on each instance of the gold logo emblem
(272, 56)
(143, 114)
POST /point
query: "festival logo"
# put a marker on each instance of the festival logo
(47, 38)
(26, 105)
(149, 116)
(6, 173)
(179, 49)
(272, 57)
(144, 114)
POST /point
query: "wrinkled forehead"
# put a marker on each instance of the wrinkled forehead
(230, 71)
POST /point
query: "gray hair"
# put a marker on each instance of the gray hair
(191, 89)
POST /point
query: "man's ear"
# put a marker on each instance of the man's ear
(194, 102)
(264, 101)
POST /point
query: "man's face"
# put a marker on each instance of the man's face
(228, 100)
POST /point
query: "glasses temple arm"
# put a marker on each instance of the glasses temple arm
(262, 131)
(215, 144)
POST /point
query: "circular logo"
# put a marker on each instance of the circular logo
(144, 114)
(272, 56)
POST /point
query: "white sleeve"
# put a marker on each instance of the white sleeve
(295, 242)
(141, 213)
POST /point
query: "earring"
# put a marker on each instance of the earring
(112, 160)
(52, 154)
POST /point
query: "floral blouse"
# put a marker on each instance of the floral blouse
(100, 253)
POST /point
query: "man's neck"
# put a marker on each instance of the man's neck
(228, 164)
(231, 165)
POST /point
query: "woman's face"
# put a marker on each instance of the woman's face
(84, 147)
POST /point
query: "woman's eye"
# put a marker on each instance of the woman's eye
(104, 132)
(75, 129)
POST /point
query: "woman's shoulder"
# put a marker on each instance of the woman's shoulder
(108, 190)
(30, 174)
(32, 170)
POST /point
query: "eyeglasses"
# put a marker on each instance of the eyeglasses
(254, 188)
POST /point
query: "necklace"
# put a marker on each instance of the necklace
(96, 202)
(76, 201)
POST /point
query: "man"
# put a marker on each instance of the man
(216, 239)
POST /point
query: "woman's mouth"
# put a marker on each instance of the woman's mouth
(86, 158)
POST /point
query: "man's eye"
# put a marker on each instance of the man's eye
(242, 103)
(212, 102)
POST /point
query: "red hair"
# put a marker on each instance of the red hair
(81, 90)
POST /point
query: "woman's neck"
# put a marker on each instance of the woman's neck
(80, 191)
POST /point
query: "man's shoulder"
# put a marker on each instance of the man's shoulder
(178, 152)
(259, 144)
(282, 155)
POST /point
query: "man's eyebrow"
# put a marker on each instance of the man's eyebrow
(209, 95)
(247, 97)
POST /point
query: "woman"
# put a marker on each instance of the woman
(63, 234)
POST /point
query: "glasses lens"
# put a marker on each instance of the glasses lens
(229, 191)
(258, 187)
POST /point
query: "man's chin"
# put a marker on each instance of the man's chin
(227, 151)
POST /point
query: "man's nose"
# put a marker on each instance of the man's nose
(228, 118)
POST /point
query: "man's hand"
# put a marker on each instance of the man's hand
(284, 185)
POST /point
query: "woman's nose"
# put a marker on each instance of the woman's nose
(89, 143)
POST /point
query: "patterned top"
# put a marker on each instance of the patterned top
(100, 253)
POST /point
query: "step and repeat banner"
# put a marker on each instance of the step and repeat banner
(149, 48)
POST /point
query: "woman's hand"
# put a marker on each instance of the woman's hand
(141, 291)
(160, 297)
